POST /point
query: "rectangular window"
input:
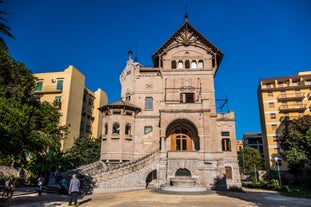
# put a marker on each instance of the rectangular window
(273, 126)
(271, 104)
(272, 116)
(39, 86)
(59, 85)
(270, 94)
(268, 85)
(148, 103)
(187, 98)
(225, 134)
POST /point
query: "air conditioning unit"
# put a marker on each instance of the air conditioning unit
(53, 80)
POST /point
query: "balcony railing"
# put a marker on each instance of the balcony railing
(293, 108)
(49, 89)
(291, 96)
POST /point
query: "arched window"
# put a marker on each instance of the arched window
(116, 128)
(183, 172)
(180, 64)
(128, 129)
(173, 63)
(193, 64)
(187, 64)
(148, 103)
(226, 144)
(200, 64)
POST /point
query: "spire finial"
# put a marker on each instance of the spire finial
(186, 17)
(186, 12)
(130, 53)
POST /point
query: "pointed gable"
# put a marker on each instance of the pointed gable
(187, 35)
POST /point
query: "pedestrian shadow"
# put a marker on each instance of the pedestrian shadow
(84, 201)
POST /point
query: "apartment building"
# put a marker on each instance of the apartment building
(253, 140)
(280, 99)
(77, 104)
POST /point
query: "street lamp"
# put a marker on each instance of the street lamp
(276, 159)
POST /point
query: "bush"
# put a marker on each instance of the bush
(274, 185)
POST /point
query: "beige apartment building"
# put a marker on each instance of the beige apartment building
(77, 104)
(166, 122)
(280, 98)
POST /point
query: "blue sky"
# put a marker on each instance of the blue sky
(259, 39)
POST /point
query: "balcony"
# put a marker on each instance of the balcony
(298, 96)
(49, 89)
(292, 108)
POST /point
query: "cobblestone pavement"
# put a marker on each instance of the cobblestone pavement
(27, 197)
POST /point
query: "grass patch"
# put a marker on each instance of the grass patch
(297, 192)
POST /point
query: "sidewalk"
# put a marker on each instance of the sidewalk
(147, 198)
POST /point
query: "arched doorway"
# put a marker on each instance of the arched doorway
(183, 136)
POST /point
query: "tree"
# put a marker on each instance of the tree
(85, 150)
(4, 29)
(27, 127)
(295, 143)
(249, 160)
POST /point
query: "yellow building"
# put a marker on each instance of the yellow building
(77, 104)
(279, 98)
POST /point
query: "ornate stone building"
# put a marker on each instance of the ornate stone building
(166, 126)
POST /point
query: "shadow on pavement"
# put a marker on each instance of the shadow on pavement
(264, 198)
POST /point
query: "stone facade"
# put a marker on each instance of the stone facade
(169, 110)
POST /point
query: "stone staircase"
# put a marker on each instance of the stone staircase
(126, 176)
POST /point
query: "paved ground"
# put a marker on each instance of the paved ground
(26, 197)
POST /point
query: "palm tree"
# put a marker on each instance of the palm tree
(4, 29)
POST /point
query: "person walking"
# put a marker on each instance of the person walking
(40, 184)
(74, 188)
(7, 188)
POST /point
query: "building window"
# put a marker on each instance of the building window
(294, 83)
(82, 127)
(106, 129)
(88, 128)
(272, 116)
(270, 94)
(57, 102)
(200, 64)
(148, 129)
(180, 64)
(91, 101)
(271, 104)
(226, 144)
(187, 97)
(308, 82)
(273, 126)
(225, 134)
(128, 97)
(59, 85)
(148, 103)
(127, 129)
(187, 64)
(116, 128)
(193, 64)
(268, 85)
(173, 64)
(228, 171)
(39, 86)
